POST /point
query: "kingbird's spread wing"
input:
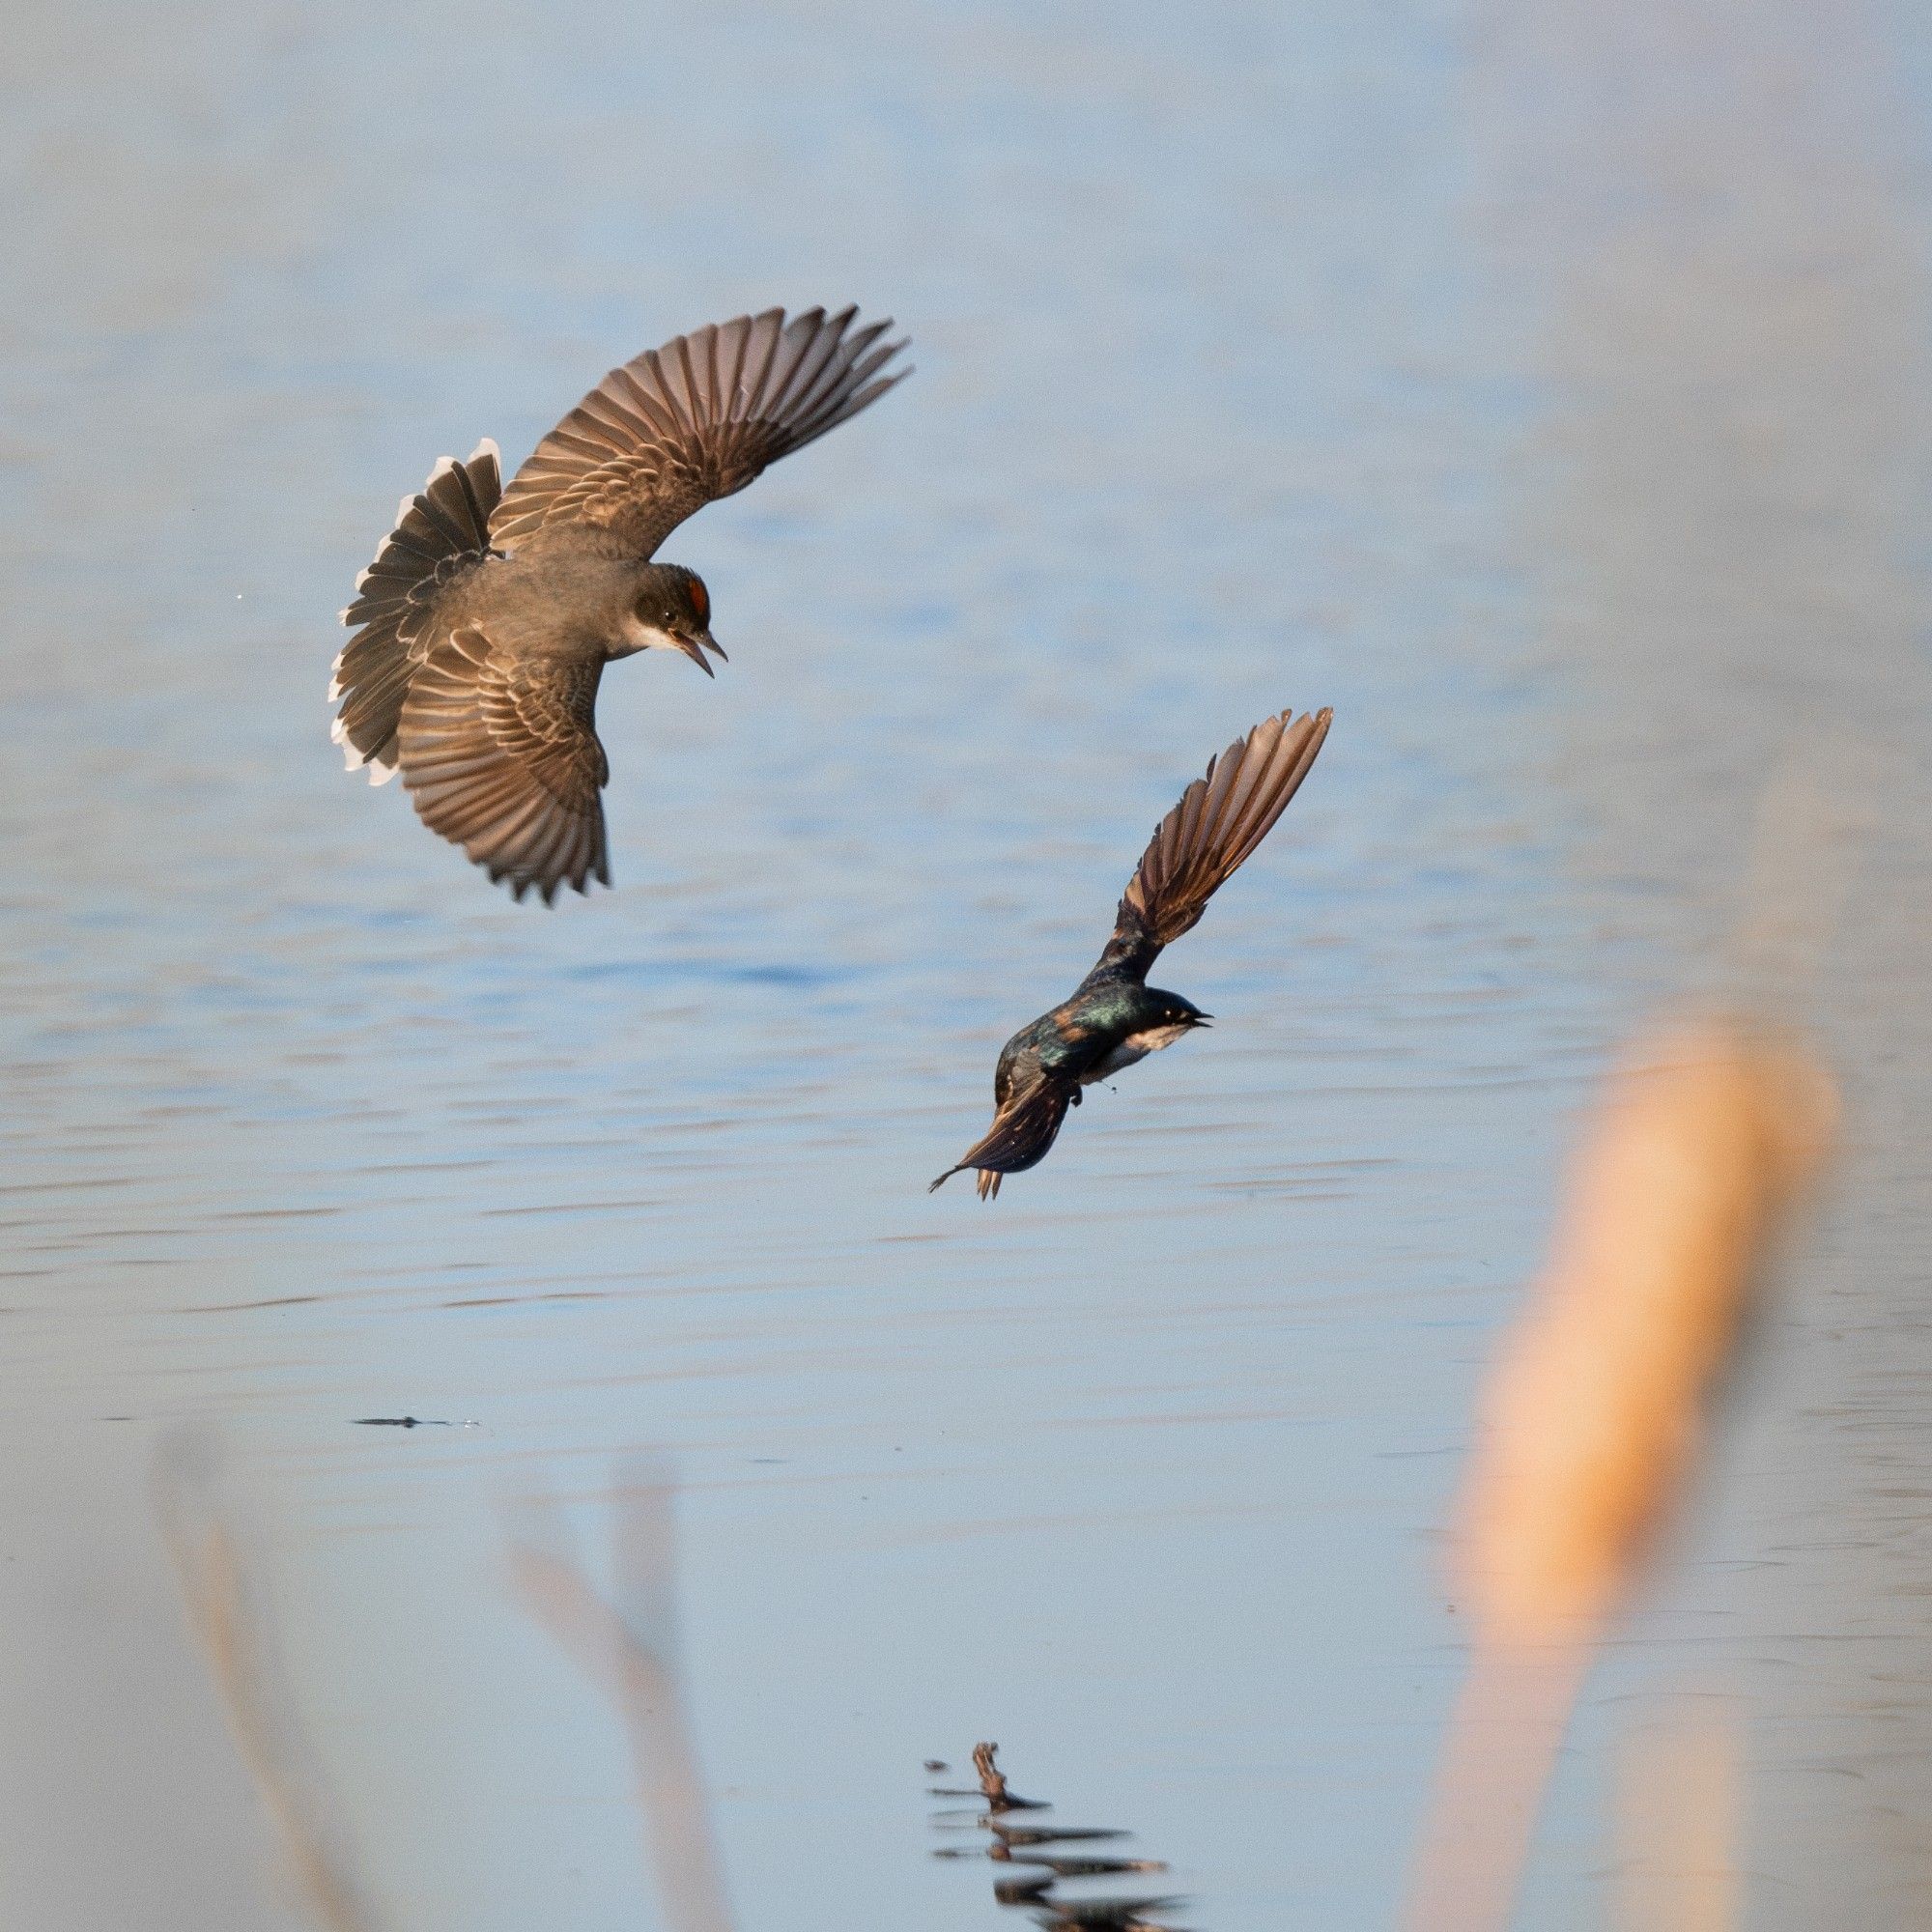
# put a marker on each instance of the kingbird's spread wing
(501, 756)
(680, 426)
(1220, 819)
(441, 534)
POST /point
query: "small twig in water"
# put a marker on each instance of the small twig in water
(993, 1784)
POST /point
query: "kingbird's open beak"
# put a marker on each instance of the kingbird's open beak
(694, 648)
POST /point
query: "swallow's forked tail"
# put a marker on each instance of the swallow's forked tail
(989, 1179)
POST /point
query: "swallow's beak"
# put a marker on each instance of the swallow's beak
(1201, 1020)
(695, 645)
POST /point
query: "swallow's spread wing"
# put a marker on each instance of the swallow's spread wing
(441, 534)
(501, 758)
(1022, 1131)
(694, 420)
(1220, 819)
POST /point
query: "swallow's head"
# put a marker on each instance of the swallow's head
(671, 611)
(1171, 1010)
(1162, 1021)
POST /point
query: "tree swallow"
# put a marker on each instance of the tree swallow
(1115, 1017)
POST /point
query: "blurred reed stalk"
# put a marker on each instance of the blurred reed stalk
(234, 1633)
(1678, 1793)
(1593, 1412)
(627, 1652)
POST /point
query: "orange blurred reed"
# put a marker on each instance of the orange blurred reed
(1678, 1803)
(1592, 1414)
(1591, 1418)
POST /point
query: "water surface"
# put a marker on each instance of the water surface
(1544, 395)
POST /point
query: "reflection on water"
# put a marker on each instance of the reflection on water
(628, 1644)
(626, 1641)
(1044, 1878)
(223, 1594)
